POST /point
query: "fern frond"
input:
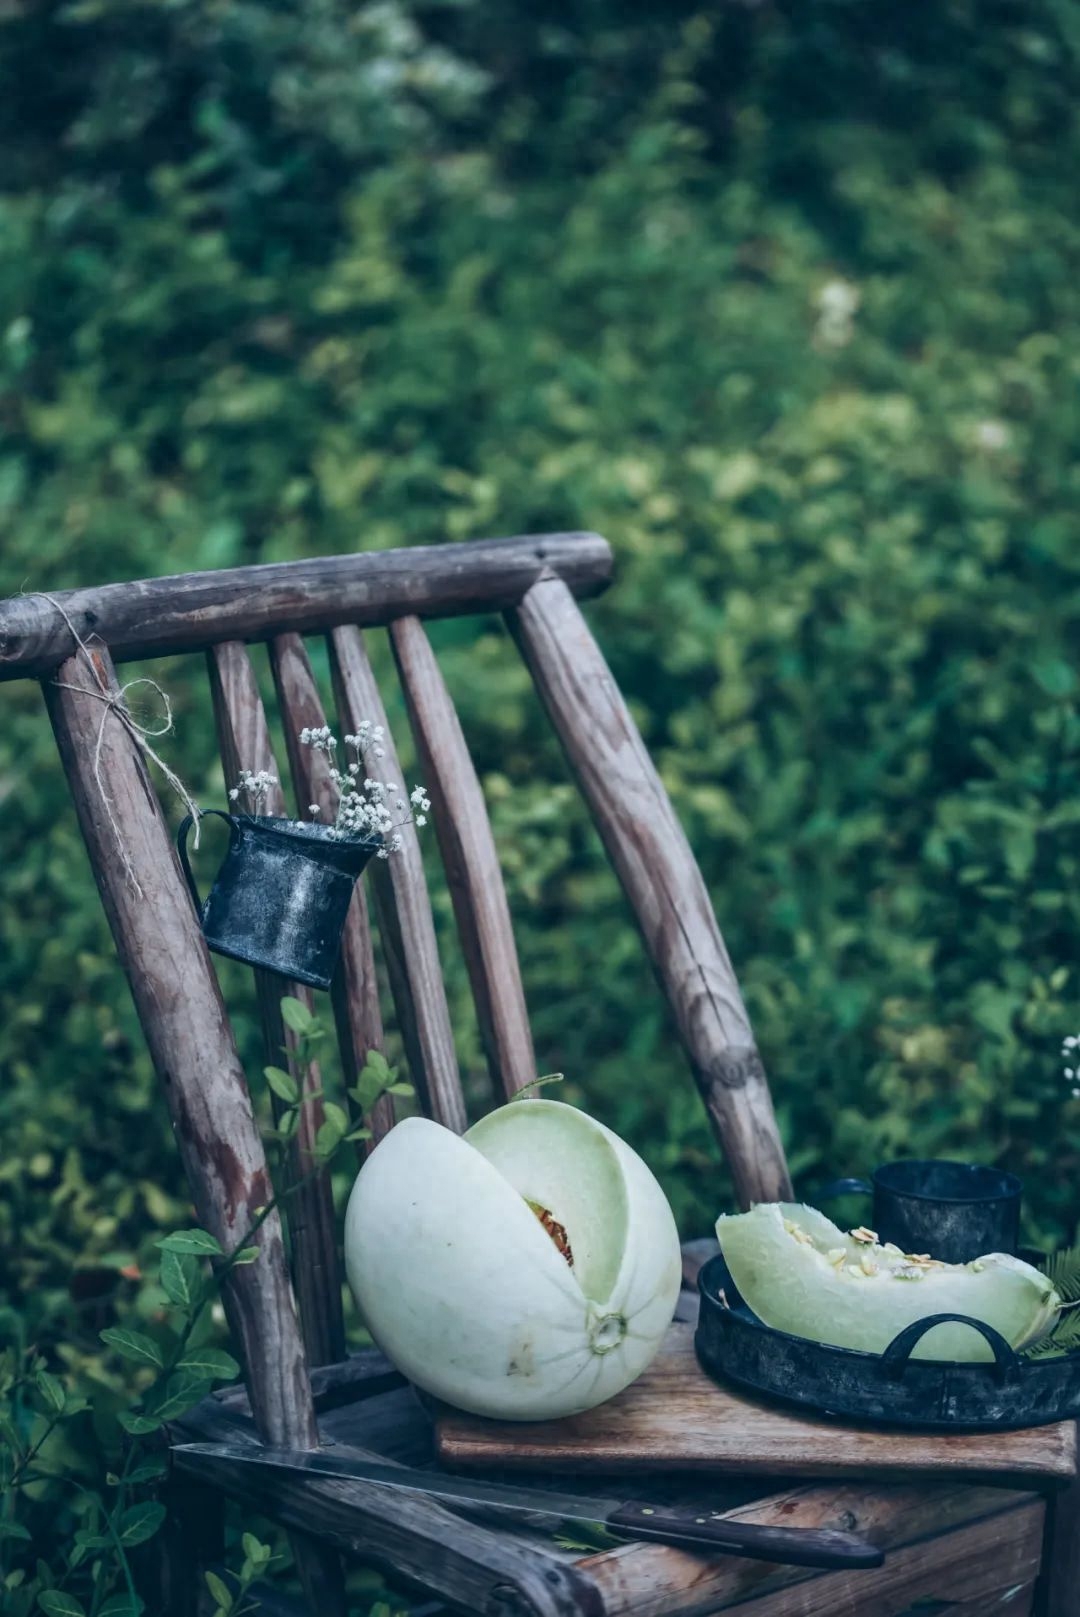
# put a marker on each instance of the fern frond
(1063, 1269)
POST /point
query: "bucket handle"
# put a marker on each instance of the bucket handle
(182, 848)
(897, 1355)
(845, 1187)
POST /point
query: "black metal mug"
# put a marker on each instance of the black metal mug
(281, 895)
(954, 1211)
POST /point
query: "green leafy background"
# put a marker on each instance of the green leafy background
(782, 298)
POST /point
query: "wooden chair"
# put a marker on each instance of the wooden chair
(964, 1548)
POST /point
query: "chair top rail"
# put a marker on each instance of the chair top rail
(193, 611)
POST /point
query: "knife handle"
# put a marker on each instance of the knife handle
(698, 1529)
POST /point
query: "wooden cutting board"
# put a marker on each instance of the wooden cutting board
(676, 1418)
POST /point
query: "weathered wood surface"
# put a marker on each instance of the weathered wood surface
(1059, 1587)
(925, 1532)
(480, 1570)
(650, 853)
(176, 994)
(355, 989)
(406, 926)
(471, 862)
(649, 1580)
(244, 743)
(153, 617)
(366, 1374)
(675, 1417)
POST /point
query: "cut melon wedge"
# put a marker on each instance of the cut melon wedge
(799, 1273)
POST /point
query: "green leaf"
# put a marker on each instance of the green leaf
(51, 1390)
(198, 1243)
(148, 1471)
(219, 1590)
(140, 1523)
(138, 1425)
(295, 1014)
(376, 1063)
(359, 1134)
(210, 1363)
(122, 1605)
(283, 1084)
(255, 1551)
(181, 1392)
(328, 1137)
(133, 1345)
(401, 1089)
(337, 1115)
(57, 1603)
(246, 1254)
(180, 1278)
(14, 1530)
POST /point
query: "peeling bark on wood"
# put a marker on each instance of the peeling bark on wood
(650, 853)
(244, 740)
(472, 864)
(355, 990)
(406, 927)
(154, 617)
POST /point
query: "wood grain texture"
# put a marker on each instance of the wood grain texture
(917, 1527)
(244, 743)
(988, 1567)
(472, 864)
(406, 926)
(355, 989)
(176, 994)
(1059, 1585)
(152, 617)
(675, 1417)
(650, 853)
(479, 1570)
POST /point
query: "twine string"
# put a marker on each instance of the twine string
(116, 702)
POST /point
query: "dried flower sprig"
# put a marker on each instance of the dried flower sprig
(255, 787)
(367, 806)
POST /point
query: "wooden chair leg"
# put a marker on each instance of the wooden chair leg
(191, 1541)
(1059, 1580)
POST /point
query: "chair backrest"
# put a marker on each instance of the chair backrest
(534, 581)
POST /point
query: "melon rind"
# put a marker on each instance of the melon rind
(464, 1290)
(791, 1283)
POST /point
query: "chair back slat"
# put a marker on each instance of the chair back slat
(471, 862)
(355, 990)
(403, 906)
(650, 853)
(163, 952)
(244, 743)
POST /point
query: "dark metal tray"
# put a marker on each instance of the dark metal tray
(887, 1389)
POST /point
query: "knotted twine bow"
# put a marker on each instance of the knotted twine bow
(116, 702)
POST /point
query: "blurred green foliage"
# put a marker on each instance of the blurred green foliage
(784, 299)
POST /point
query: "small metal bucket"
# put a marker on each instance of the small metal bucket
(282, 894)
(955, 1211)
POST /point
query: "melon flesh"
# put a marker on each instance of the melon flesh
(801, 1274)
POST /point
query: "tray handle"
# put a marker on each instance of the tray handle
(898, 1353)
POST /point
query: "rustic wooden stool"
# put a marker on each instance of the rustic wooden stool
(954, 1547)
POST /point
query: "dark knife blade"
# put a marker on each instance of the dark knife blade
(689, 1527)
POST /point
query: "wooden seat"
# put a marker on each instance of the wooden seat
(964, 1548)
